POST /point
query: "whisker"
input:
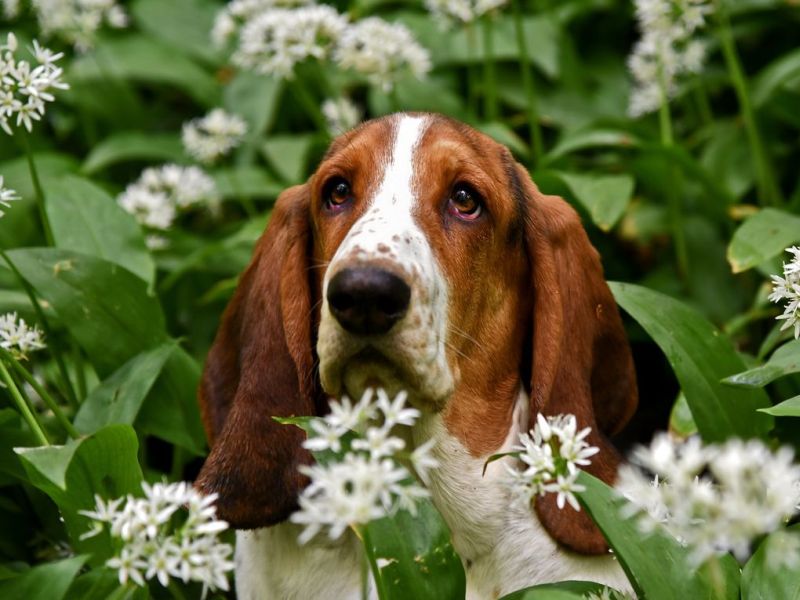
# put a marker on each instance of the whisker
(465, 335)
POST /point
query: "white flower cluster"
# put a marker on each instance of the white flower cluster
(276, 40)
(236, 13)
(77, 21)
(273, 37)
(160, 541)
(18, 337)
(25, 88)
(715, 498)
(341, 114)
(160, 193)
(788, 288)
(367, 483)
(552, 453)
(666, 50)
(6, 195)
(10, 9)
(213, 136)
(463, 11)
(381, 51)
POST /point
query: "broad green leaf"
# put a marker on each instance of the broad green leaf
(781, 72)
(701, 357)
(140, 58)
(119, 398)
(681, 422)
(84, 218)
(763, 236)
(591, 138)
(503, 134)
(605, 196)
(415, 557)
(563, 590)
(787, 408)
(170, 409)
(784, 361)
(104, 463)
(246, 182)
(105, 307)
(183, 24)
(656, 564)
(762, 582)
(254, 98)
(49, 581)
(727, 156)
(133, 145)
(288, 155)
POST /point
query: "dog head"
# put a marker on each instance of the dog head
(421, 257)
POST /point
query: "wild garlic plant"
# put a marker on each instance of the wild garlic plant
(361, 473)
(7, 195)
(714, 498)
(788, 288)
(209, 138)
(448, 12)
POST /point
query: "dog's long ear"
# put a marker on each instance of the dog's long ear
(581, 358)
(261, 366)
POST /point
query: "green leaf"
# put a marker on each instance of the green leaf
(119, 398)
(760, 582)
(763, 236)
(105, 307)
(49, 581)
(105, 463)
(84, 218)
(584, 139)
(140, 58)
(288, 155)
(133, 145)
(784, 361)
(787, 408)
(247, 182)
(605, 196)
(701, 357)
(774, 76)
(656, 564)
(415, 557)
(681, 421)
(182, 24)
(254, 98)
(503, 134)
(563, 590)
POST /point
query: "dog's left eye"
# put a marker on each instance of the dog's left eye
(337, 193)
(464, 203)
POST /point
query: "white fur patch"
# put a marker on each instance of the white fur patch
(387, 235)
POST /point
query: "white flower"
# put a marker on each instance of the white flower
(213, 136)
(788, 288)
(153, 548)
(464, 11)
(10, 9)
(367, 482)
(273, 42)
(551, 453)
(381, 51)
(25, 88)
(77, 21)
(666, 50)
(423, 461)
(715, 498)
(18, 337)
(159, 194)
(6, 195)
(341, 115)
(230, 19)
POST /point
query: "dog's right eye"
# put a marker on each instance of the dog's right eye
(337, 193)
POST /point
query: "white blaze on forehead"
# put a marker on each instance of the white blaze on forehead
(397, 178)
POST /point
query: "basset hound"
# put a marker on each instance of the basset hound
(420, 256)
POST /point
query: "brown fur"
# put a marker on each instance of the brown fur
(527, 298)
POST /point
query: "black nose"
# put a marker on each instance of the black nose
(368, 300)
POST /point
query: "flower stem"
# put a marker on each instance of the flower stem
(472, 80)
(768, 191)
(309, 104)
(22, 406)
(45, 396)
(37, 187)
(62, 367)
(527, 85)
(491, 110)
(373, 563)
